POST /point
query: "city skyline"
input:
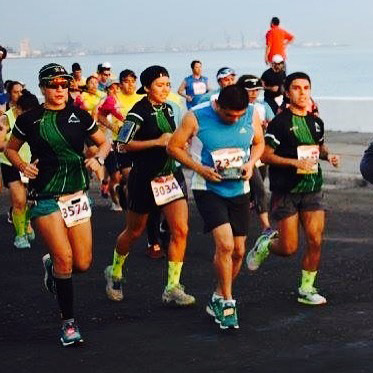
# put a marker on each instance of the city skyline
(96, 25)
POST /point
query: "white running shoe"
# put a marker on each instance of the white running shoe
(312, 297)
(114, 287)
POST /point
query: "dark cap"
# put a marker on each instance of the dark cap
(75, 67)
(250, 82)
(52, 71)
(150, 74)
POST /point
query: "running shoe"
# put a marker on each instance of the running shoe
(215, 309)
(155, 252)
(259, 253)
(9, 216)
(104, 190)
(70, 334)
(114, 286)
(270, 233)
(115, 207)
(49, 282)
(177, 297)
(229, 318)
(311, 297)
(21, 242)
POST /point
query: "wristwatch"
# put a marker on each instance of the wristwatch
(100, 160)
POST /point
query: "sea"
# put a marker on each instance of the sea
(342, 80)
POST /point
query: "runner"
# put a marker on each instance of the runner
(154, 180)
(58, 183)
(194, 85)
(13, 179)
(259, 195)
(228, 141)
(294, 145)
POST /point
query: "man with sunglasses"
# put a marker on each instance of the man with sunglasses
(104, 76)
(59, 180)
(226, 142)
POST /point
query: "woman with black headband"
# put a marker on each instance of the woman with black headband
(58, 174)
(155, 180)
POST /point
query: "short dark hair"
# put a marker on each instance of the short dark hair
(297, 75)
(27, 101)
(123, 74)
(90, 78)
(75, 67)
(194, 62)
(233, 97)
(275, 21)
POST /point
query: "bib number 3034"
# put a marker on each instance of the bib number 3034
(166, 189)
(75, 209)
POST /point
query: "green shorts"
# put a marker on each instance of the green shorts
(46, 207)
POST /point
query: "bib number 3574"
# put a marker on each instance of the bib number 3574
(75, 210)
(166, 189)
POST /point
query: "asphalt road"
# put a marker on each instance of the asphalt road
(141, 335)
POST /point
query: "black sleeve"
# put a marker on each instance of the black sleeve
(88, 123)
(273, 136)
(20, 127)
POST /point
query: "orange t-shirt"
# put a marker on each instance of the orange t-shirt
(275, 39)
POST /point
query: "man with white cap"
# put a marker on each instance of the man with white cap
(273, 82)
(225, 77)
(104, 76)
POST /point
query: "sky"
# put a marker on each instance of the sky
(151, 23)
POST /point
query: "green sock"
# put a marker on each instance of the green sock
(28, 228)
(19, 219)
(174, 272)
(118, 261)
(308, 278)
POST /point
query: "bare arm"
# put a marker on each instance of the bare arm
(4, 126)
(102, 119)
(176, 148)
(257, 147)
(333, 159)
(270, 157)
(103, 150)
(30, 170)
(181, 91)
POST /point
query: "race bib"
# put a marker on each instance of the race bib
(166, 189)
(199, 88)
(308, 152)
(75, 209)
(228, 162)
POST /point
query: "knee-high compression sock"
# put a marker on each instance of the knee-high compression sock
(308, 279)
(19, 219)
(118, 262)
(174, 272)
(65, 296)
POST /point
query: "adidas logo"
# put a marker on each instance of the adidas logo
(243, 130)
(73, 119)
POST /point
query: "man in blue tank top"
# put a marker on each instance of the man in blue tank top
(194, 86)
(227, 140)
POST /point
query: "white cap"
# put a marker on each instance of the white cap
(106, 65)
(277, 58)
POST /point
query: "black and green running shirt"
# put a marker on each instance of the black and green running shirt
(284, 134)
(56, 139)
(152, 121)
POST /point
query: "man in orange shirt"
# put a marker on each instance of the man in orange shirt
(276, 41)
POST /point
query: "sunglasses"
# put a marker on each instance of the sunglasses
(55, 83)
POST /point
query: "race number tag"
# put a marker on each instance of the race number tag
(199, 88)
(228, 162)
(166, 189)
(75, 209)
(308, 152)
